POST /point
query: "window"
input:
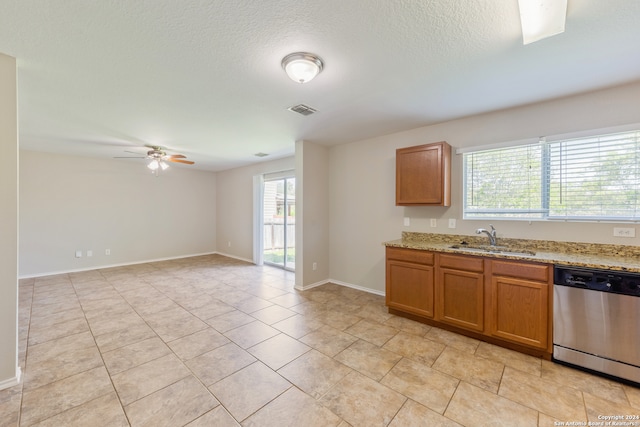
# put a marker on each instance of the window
(592, 178)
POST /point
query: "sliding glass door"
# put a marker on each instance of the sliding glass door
(279, 207)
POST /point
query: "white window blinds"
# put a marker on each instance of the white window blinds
(593, 178)
(504, 182)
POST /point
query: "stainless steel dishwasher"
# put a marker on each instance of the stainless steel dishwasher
(596, 320)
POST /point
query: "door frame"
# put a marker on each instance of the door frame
(258, 214)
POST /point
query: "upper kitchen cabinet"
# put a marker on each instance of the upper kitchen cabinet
(423, 175)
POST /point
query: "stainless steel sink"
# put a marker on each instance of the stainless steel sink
(493, 249)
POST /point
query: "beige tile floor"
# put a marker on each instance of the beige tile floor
(212, 341)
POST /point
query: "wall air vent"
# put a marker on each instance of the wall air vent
(305, 110)
(261, 154)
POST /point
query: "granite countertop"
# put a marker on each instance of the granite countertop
(611, 257)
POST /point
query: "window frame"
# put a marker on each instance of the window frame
(545, 161)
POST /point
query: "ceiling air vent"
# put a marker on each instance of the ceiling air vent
(305, 110)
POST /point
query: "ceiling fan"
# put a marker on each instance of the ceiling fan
(158, 158)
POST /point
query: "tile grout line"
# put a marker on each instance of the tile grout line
(26, 349)
(113, 386)
(168, 347)
(371, 314)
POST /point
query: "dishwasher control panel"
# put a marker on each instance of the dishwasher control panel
(619, 282)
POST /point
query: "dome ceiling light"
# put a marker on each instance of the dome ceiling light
(302, 67)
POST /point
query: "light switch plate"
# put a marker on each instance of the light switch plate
(452, 223)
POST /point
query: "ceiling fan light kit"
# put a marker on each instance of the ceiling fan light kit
(302, 67)
(155, 164)
(541, 19)
(158, 159)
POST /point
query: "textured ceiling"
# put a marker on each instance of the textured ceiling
(203, 77)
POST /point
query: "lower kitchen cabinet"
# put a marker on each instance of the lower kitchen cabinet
(460, 292)
(520, 303)
(504, 302)
(409, 282)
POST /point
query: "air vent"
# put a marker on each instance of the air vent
(305, 110)
(261, 154)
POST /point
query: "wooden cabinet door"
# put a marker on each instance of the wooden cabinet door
(460, 297)
(520, 311)
(423, 175)
(409, 287)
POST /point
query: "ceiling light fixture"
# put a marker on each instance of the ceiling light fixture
(302, 67)
(541, 18)
(156, 165)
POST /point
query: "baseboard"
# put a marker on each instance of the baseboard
(123, 264)
(235, 257)
(310, 286)
(340, 283)
(12, 381)
(357, 287)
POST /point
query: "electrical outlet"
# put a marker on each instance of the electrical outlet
(107, 251)
(624, 232)
(434, 222)
(452, 223)
(407, 221)
(315, 266)
(78, 253)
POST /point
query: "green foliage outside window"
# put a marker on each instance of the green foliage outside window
(595, 178)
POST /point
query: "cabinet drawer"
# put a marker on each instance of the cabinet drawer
(523, 270)
(410, 255)
(462, 262)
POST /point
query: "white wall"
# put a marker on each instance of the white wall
(362, 211)
(234, 218)
(9, 371)
(70, 203)
(362, 175)
(312, 205)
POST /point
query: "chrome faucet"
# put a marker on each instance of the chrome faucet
(491, 234)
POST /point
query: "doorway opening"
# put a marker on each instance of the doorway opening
(279, 222)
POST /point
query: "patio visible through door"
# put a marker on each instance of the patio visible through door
(279, 206)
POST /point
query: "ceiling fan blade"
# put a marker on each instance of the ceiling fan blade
(177, 156)
(133, 152)
(186, 162)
